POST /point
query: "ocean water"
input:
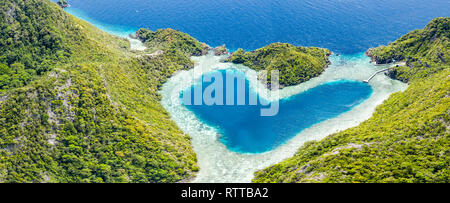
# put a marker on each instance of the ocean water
(336, 98)
(343, 26)
(241, 127)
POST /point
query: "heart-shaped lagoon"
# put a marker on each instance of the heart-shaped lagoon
(242, 127)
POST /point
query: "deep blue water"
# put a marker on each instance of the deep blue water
(242, 128)
(343, 26)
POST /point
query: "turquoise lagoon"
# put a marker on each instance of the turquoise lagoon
(232, 142)
(244, 130)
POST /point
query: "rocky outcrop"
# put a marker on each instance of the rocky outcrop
(3, 98)
(296, 64)
(63, 3)
(220, 50)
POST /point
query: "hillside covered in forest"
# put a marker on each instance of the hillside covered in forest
(77, 105)
(408, 137)
(296, 64)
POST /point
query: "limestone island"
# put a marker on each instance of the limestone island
(296, 64)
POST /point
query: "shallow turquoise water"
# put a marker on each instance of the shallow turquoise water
(244, 130)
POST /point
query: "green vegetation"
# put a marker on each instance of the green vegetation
(63, 3)
(424, 51)
(296, 64)
(220, 50)
(408, 137)
(31, 41)
(164, 39)
(77, 105)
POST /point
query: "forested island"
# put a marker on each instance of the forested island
(78, 105)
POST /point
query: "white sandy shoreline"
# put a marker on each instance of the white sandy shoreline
(218, 164)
